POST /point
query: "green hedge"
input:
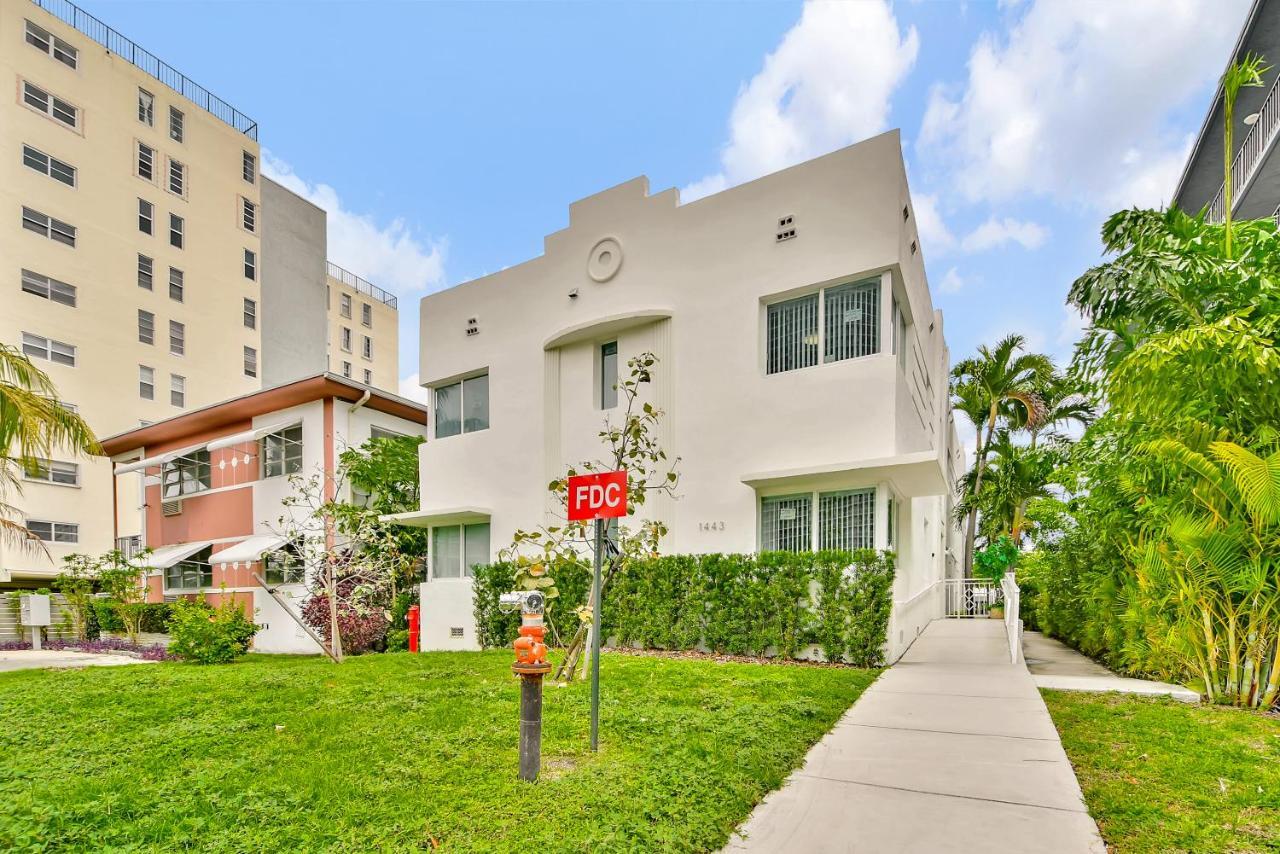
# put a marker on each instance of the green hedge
(773, 603)
(155, 616)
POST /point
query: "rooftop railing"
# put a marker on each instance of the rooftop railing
(71, 14)
(1249, 157)
(351, 280)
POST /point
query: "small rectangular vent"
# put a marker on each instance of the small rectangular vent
(906, 214)
(786, 228)
(171, 508)
(455, 632)
(913, 247)
(473, 326)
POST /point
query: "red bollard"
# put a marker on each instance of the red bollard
(414, 627)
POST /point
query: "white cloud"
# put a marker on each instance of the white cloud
(827, 85)
(391, 256)
(934, 234)
(1072, 102)
(997, 232)
(952, 282)
(412, 389)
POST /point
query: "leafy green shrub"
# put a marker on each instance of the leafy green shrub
(774, 603)
(397, 640)
(996, 559)
(156, 616)
(497, 628)
(209, 635)
(108, 617)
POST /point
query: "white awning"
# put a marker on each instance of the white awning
(166, 556)
(250, 435)
(437, 518)
(160, 459)
(914, 474)
(250, 550)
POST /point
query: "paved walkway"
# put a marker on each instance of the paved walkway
(1055, 665)
(951, 750)
(31, 659)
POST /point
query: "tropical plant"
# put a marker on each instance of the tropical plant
(996, 559)
(206, 634)
(33, 424)
(77, 583)
(1247, 72)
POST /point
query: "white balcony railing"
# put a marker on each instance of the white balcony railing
(1249, 157)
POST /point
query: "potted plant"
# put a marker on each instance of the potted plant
(992, 563)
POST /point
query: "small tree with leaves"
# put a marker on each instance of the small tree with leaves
(630, 445)
(125, 584)
(76, 583)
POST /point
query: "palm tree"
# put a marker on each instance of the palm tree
(32, 424)
(1015, 474)
(999, 381)
(1062, 403)
(1246, 72)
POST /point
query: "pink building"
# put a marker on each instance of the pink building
(204, 490)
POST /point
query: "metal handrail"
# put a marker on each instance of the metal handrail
(71, 14)
(365, 287)
(1247, 159)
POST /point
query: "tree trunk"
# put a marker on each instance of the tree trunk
(335, 636)
(971, 529)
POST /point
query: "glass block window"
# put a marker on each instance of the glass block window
(851, 315)
(792, 337)
(786, 523)
(846, 520)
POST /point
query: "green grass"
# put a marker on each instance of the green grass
(1159, 775)
(398, 753)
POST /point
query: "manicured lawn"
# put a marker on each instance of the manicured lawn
(398, 753)
(1164, 776)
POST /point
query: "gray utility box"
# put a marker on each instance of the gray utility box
(35, 609)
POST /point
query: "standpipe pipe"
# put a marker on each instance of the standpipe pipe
(531, 666)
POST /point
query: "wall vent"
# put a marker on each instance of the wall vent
(906, 214)
(473, 326)
(455, 632)
(913, 247)
(786, 228)
(171, 508)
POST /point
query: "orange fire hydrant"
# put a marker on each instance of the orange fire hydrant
(415, 627)
(531, 666)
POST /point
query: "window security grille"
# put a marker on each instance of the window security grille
(786, 523)
(852, 320)
(846, 520)
(793, 334)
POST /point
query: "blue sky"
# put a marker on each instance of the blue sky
(446, 139)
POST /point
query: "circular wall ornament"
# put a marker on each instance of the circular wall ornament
(605, 260)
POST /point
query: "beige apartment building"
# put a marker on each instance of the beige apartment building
(130, 257)
(363, 334)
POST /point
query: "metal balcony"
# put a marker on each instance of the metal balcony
(1250, 156)
(367, 288)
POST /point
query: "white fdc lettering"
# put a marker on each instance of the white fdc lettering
(582, 496)
(612, 495)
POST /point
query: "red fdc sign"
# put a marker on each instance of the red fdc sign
(598, 496)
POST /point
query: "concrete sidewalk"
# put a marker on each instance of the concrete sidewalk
(1055, 665)
(951, 750)
(32, 659)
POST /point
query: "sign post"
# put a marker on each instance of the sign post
(599, 497)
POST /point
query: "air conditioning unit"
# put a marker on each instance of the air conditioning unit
(171, 508)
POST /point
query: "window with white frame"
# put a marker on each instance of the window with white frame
(55, 472)
(457, 549)
(368, 377)
(177, 338)
(462, 407)
(248, 215)
(846, 521)
(146, 382)
(194, 573)
(250, 362)
(177, 124)
(376, 432)
(841, 322)
(177, 177)
(146, 327)
(39, 347)
(366, 347)
(344, 305)
(346, 370)
(177, 284)
(53, 290)
(146, 217)
(51, 105)
(54, 532)
(283, 566)
(250, 314)
(250, 265)
(366, 314)
(176, 230)
(46, 164)
(177, 390)
(47, 226)
(281, 453)
(186, 475)
(345, 339)
(891, 514)
(146, 271)
(249, 167)
(786, 523)
(609, 375)
(43, 40)
(146, 107)
(146, 162)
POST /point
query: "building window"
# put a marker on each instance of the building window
(177, 178)
(366, 314)
(846, 520)
(462, 407)
(177, 390)
(850, 327)
(193, 573)
(146, 162)
(176, 226)
(249, 168)
(58, 109)
(250, 362)
(368, 377)
(146, 217)
(51, 166)
(250, 314)
(176, 124)
(146, 107)
(54, 532)
(47, 226)
(346, 370)
(39, 37)
(177, 284)
(282, 452)
(39, 347)
(146, 271)
(146, 382)
(146, 327)
(177, 338)
(52, 471)
(344, 305)
(346, 339)
(366, 347)
(249, 215)
(609, 375)
(457, 549)
(250, 265)
(891, 523)
(50, 289)
(283, 566)
(786, 523)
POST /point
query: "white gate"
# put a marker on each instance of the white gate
(971, 597)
